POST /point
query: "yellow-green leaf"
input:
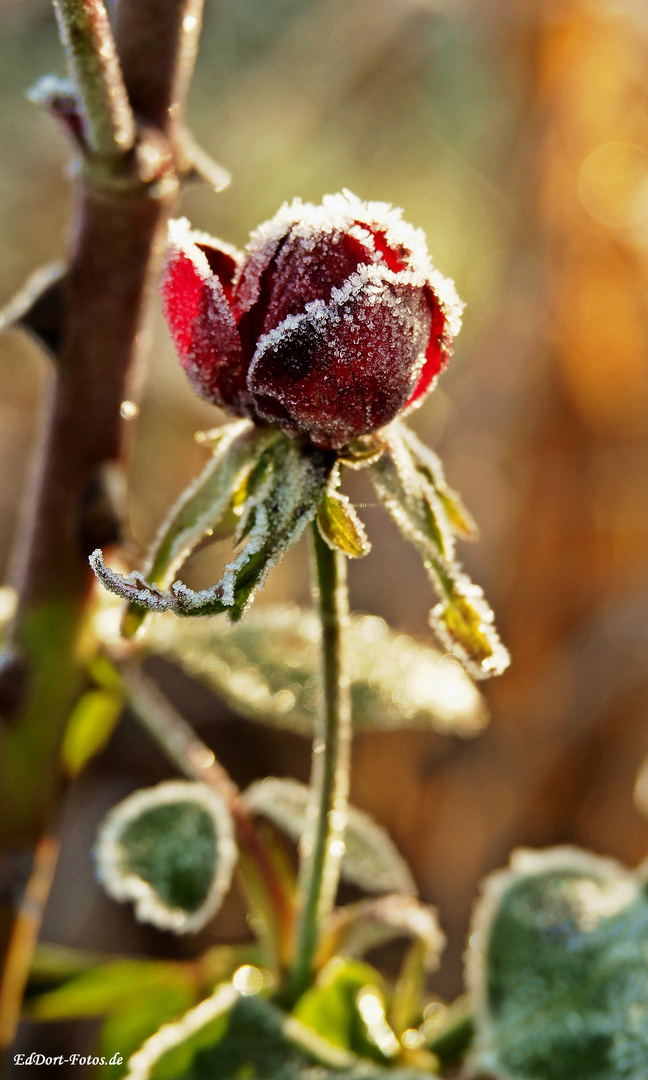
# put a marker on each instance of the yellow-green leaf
(340, 526)
(91, 724)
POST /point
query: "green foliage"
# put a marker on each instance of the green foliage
(91, 724)
(275, 500)
(559, 970)
(208, 509)
(336, 1008)
(135, 996)
(340, 526)
(267, 668)
(171, 850)
(409, 481)
(356, 928)
(249, 1038)
(370, 858)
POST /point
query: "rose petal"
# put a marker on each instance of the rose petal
(198, 312)
(437, 353)
(310, 268)
(344, 368)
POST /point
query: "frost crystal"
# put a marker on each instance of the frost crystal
(332, 324)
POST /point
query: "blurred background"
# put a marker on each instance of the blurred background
(515, 133)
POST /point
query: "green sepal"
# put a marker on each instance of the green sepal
(340, 527)
(409, 482)
(279, 498)
(208, 510)
(430, 465)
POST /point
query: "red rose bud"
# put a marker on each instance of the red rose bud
(334, 322)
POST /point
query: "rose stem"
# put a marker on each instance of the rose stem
(324, 845)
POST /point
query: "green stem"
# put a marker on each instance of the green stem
(92, 58)
(324, 847)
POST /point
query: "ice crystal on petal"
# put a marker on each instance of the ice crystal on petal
(333, 323)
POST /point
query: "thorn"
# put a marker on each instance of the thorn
(40, 308)
(200, 167)
(60, 97)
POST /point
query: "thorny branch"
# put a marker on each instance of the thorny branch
(125, 190)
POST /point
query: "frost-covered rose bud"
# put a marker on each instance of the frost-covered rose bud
(332, 324)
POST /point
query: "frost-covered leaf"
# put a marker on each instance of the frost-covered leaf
(346, 1006)
(229, 1035)
(430, 466)
(267, 668)
(356, 928)
(340, 526)
(558, 969)
(171, 850)
(279, 499)
(370, 859)
(209, 509)
(409, 481)
(89, 727)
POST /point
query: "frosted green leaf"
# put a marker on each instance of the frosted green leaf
(409, 481)
(267, 668)
(370, 859)
(558, 969)
(356, 928)
(171, 850)
(275, 502)
(247, 1037)
(340, 526)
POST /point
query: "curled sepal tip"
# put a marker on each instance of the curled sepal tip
(274, 503)
(170, 849)
(409, 480)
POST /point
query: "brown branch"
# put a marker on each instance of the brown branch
(121, 204)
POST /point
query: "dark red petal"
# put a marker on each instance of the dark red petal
(336, 372)
(437, 353)
(307, 269)
(222, 263)
(202, 325)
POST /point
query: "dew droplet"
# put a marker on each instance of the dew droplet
(128, 410)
